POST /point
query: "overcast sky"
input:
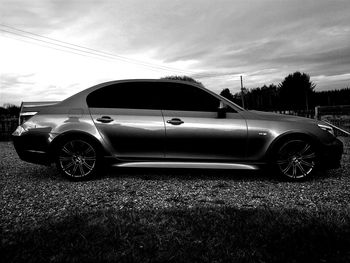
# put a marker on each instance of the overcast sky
(212, 41)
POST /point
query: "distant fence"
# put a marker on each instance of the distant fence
(339, 116)
(339, 110)
(340, 127)
(7, 126)
(319, 111)
(303, 113)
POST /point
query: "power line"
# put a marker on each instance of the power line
(96, 55)
(202, 75)
(209, 75)
(95, 50)
(91, 51)
(65, 50)
(48, 43)
(59, 49)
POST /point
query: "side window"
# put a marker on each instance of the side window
(183, 97)
(129, 95)
(229, 108)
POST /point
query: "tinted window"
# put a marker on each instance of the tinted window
(130, 95)
(188, 98)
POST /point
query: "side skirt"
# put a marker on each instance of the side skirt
(190, 165)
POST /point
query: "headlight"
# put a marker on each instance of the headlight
(19, 131)
(326, 128)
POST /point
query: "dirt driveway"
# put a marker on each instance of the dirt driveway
(31, 194)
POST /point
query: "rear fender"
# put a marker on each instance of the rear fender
(56, 141)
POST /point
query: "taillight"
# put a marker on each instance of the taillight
(19, 131)
(25, 116)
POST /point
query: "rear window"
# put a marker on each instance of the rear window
(129, 95)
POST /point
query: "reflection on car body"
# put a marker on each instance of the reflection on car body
(167, 123)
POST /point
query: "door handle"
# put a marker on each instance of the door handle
(175, 121)
(104, 119)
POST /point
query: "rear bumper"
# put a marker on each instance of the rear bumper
(331, 154)
(32, 148)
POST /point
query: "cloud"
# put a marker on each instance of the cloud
(217, 40)
(12, 80)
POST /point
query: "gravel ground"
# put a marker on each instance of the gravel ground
(31, 194)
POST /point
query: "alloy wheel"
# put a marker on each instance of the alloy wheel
(77, 158)
(296, 159)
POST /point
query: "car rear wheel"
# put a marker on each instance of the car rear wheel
(77, 159)
(296, 159)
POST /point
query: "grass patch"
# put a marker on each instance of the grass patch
(186, 235)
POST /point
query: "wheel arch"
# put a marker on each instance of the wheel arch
(74, 134)
(278, 141)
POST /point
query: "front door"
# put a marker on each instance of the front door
(193, 129)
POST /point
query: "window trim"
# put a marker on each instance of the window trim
(230, 104)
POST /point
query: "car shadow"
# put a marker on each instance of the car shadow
(189, 174)
(50, 173)
(226, 234)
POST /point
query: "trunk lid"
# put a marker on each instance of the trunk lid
(29, 109)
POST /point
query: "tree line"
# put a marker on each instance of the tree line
(295, 92)
(9, 110)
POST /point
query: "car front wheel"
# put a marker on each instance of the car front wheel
(77, 159)
(296, 159)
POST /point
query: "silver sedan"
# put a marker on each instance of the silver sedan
(173, 124)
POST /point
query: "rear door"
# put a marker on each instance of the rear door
(129, 118)
(193, 129)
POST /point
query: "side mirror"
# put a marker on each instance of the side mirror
(222, 110)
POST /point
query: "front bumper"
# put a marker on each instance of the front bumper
(331, 154)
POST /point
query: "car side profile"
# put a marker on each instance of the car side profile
(172, 124)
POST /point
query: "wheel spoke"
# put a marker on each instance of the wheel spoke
(67, 151)
(81, 169)
(66, 167)
(294, 170)
(90, 158)
(75, 169)
(304, 150)
(311, 165)
(308, 156)
(87, 166)
(287, 168)
(72, 145)
(301, 169)
(282, 161)
(89, 149)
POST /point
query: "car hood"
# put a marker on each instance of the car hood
(280, 117)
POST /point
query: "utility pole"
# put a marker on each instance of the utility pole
(242, 92)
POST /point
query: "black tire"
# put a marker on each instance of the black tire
(77, 159)
(296, 160)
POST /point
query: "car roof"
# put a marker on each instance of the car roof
(84, 93)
